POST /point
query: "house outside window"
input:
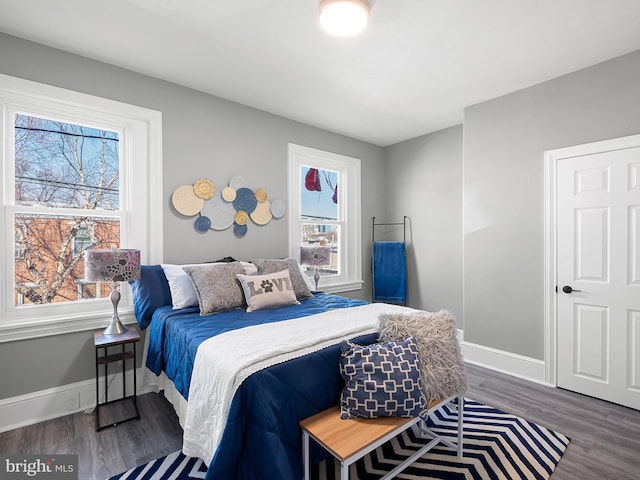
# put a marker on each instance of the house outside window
(19, 240)
(324, 210)
(67, 183)
(82, 238)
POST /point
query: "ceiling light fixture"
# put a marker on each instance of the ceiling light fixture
(344, 17)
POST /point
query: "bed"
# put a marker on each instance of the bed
(283, 367)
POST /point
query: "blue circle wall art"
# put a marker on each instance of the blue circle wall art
(245, 200)
(202, 224)
(239, 230)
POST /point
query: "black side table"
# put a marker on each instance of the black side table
(102, 342)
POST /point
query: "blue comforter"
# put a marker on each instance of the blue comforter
(261, 439)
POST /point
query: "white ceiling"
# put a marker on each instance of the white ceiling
(414, 69)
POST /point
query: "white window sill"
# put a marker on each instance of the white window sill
(341, 287)
(24, 330)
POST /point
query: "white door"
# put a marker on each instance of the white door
(598, 275)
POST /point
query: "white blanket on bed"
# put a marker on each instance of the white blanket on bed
(223, 362)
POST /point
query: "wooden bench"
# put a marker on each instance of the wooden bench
(350, 440)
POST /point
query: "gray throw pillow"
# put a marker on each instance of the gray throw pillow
(275, 265)
(217, 286)
(441, 364)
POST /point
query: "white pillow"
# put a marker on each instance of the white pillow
(270, 290)
(183, 293)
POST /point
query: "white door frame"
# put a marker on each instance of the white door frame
(551, 159)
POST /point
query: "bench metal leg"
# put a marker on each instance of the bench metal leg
(344, 471)
(305, 453)
(460, 425)
(458, 445)
(411, 459)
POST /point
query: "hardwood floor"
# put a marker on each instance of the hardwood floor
(605, 438)
(109, 451)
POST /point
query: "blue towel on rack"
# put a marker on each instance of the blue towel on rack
(389, 272)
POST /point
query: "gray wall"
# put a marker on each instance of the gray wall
(424, 178)
(496, 194)
(504, 141)
(203, 136)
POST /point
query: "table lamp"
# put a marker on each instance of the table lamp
(112, 265)
(315, 257)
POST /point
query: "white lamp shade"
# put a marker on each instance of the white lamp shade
(344, 17)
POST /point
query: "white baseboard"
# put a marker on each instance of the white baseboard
(501, 361)
(55, 402)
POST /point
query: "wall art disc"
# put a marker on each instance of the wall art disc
(241, 218)
(238, 182)
(262, 214)
(228, 194)
(239, 230)
(202, 224)
(185, 201)
(219, 212)
(245, 200)
(278, 209)
(204, 188)
(261, 195)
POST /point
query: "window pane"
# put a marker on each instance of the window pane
(51, 268)
(60, 164)
(323, 234)
(319, 196)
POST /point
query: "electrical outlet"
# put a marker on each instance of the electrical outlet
(72, 401)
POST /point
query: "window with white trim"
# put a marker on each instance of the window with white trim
(78, 172)
(324, 211)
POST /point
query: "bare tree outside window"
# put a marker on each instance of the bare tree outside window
(61, 168)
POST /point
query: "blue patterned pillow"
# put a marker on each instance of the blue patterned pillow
(381, 380)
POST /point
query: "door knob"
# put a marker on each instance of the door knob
(568, 289)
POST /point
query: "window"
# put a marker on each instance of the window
(324, 210)
(58, 167)
(67, 185)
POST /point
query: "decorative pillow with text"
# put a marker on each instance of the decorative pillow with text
(270, 290)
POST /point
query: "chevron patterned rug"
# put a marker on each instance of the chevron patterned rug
(497, 446)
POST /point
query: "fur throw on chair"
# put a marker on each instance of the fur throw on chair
(441, 366)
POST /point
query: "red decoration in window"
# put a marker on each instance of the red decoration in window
(312, 180)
